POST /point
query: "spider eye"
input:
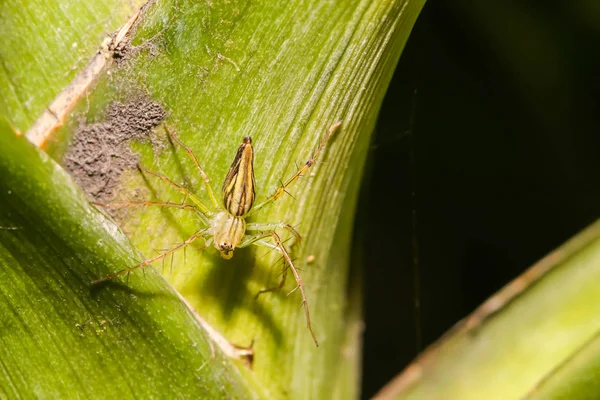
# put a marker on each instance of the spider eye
(226, 247)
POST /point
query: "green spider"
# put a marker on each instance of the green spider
(225, 226)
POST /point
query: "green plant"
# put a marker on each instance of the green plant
(280, 72)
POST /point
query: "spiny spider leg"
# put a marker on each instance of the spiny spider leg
(188, 241)
(264, 227)
(283, 272)
(265, 233)
(281, 190)
(144, 204)
(182, 206)
(201, 207)
(281, 248)
(252, 239)
(209, 189)
(277, 288)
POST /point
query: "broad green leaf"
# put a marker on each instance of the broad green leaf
(281, 73)
(62, 338)
(537, 338)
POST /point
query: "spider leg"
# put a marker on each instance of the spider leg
(187, 242)
(278, 245)
(283, 272)
(252, 239)
(209, 189)
(281, 190)
(182, 206)
(201, 207)
(258, 239)
(276, 225)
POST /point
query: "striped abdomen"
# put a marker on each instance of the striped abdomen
(238, 188)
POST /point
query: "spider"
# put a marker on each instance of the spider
(225, 225)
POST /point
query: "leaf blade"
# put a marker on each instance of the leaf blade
(60, 336)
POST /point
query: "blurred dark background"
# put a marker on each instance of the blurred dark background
(486, 158)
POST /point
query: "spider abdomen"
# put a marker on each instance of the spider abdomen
(238, 188)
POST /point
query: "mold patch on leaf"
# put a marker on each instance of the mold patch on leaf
(100, 152)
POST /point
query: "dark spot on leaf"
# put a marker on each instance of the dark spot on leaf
(100, 152)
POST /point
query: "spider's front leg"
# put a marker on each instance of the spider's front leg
(209, 189)
(189, 195)
(281, 190)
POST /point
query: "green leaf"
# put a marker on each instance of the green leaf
(537, 338)
(62, 338)
(281, 72)
(578, 377)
